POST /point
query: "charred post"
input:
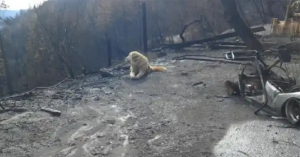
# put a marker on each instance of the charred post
(144, 27)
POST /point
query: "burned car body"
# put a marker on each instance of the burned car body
(278, 95)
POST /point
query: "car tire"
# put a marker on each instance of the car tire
(292, 110)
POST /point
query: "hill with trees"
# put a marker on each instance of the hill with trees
(45, 44)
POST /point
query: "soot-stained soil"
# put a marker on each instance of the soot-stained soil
(162, 115)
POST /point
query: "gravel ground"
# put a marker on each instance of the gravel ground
(162, 115)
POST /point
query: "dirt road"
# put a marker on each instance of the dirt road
(163, 115)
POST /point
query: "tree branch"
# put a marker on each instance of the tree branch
(186, 26)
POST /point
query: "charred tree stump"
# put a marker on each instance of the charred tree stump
(235, 20)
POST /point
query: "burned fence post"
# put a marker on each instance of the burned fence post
(144, 27)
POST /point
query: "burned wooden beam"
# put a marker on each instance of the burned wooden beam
(51, 111)
(217, 37)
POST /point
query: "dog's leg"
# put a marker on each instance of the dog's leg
(131, 74)
(140, 74)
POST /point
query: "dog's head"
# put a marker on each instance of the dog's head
(130, 55)
(128, 59)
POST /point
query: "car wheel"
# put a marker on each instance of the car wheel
(292, 110)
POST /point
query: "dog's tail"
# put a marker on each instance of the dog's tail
(157, 68)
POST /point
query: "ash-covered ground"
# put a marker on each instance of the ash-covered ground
(162, 115)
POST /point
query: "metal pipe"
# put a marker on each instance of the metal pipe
(211, 59)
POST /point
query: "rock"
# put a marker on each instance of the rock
(111, 87)
(184, 73)
(222, 96)
(220, 100)
(56, 96)
(72, 144)
(153, 94)
(95, 152)
(111, 121)
(139, 92)
(105, 73)
(100, 135)
(132, 138)
(200, 86)
(108, 142)
(77, 97)
(106, 90)
(94, 90)
(96, 98)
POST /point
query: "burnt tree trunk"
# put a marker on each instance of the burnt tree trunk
(235, 20)
(10, 89)
(185, 27)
